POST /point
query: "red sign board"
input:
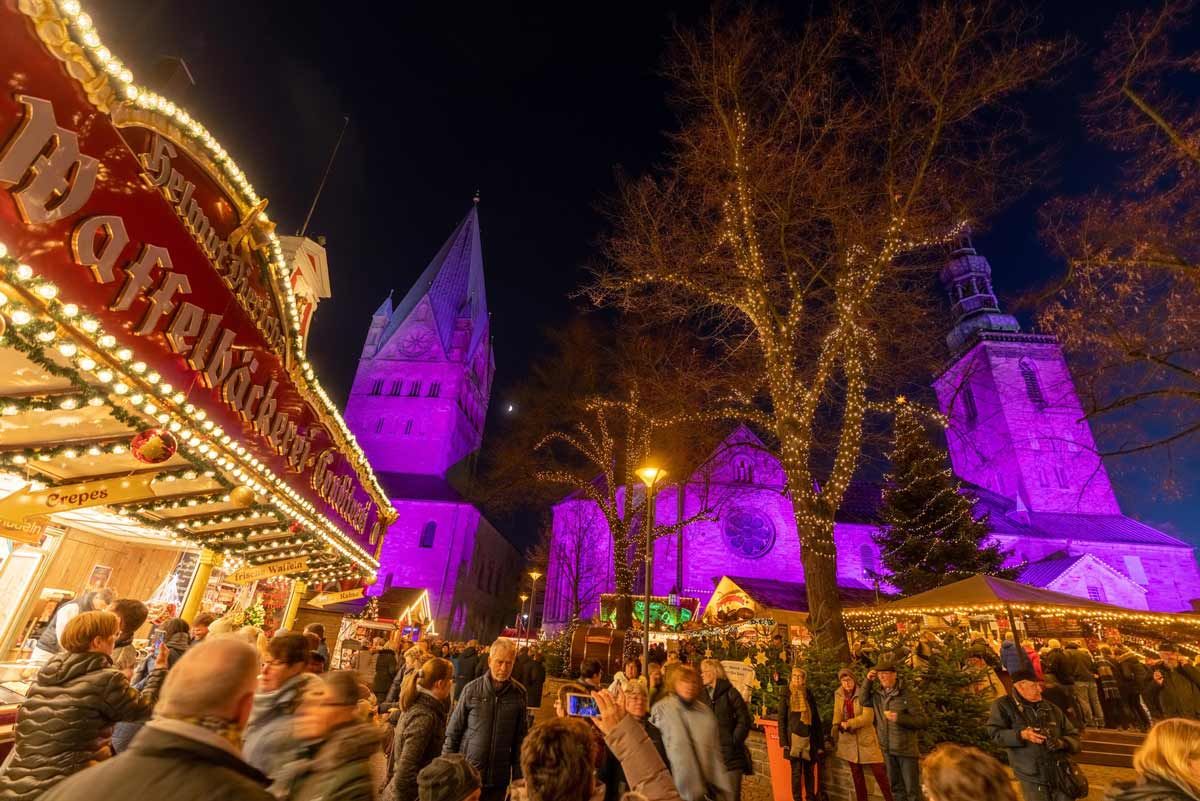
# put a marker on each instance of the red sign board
(160, 254)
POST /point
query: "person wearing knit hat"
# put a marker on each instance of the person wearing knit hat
(1037, 736)
(448, 778)
(899, 717)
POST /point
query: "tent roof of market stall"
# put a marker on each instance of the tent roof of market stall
(785, 601)
(981, 593)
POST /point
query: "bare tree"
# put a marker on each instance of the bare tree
(1128, 307)
(574, 559)
(791, 225)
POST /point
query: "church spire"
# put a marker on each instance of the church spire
(967, 276)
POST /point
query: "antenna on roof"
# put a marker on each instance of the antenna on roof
(324, 176)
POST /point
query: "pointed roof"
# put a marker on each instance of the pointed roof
(385, 308)
(454, 284)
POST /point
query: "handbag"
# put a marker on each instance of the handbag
(1069, 779)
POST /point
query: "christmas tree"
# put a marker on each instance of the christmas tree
(931, 536)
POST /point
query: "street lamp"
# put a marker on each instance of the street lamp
(534, 575)
(650, 476)
(521, 617)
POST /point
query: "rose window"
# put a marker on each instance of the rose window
(749, 532)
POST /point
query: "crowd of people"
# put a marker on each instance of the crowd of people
(217, 711)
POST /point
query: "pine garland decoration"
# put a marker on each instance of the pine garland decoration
(930, 536)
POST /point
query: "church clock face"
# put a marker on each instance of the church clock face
(416, 343)
(748, 532)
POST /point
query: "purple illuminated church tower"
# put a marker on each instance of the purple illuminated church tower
(417, 407)
(1018, 438)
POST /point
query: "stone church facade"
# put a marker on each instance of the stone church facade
(417, 407)
(1017, 437)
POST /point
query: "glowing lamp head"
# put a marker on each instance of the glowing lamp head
(651, 475)
(535, 574)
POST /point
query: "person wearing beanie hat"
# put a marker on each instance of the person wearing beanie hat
(899, 718)
(1037, 736)
(448, 778)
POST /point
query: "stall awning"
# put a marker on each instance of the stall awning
(784, 601)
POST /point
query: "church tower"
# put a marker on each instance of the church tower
(1016, 424)
(420, 396)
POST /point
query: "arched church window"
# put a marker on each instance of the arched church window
(1061, 475)
(379, 426)
(1032, 387)
(427, 534)
(377, 386)
(435, 389)
(743, 472)
(866, 555)
(414, 391)
(968, 401)
(397, 387)
(408, 427)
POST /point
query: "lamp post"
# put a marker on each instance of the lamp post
(534, 575)
(521, 617)
(650, 476)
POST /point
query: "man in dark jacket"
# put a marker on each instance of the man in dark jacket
(188, 752)
(1132, 678)
(1083, 671)
(1176, 686)
(534, 678)
(1036, 735)
(489, 723)
(1057, 668)
(898, 719)
(733, 720)
(465, 667)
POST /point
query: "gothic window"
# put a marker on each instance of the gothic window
(1061, 475)
(435, 389)
(414, 391)
(408, 427)
(379, 425)
(968, 400)
(1096, 593)
(427, 534)
(743, 472)
(397, 387)
(867, 555)
(377, 386)
(1032, 388)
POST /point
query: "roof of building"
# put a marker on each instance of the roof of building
(793, 596)
(454, 284)
(1044, 571)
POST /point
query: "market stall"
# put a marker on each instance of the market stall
(160, 419)
(356, 619)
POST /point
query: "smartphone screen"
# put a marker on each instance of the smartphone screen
(582, 706)
(156, 644)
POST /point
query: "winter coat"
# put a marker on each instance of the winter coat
(1132, 673)
(487, 727)
(465, 667)
(689, 733)
(1149, 791)
(67, 719)
(859, 744)
(1058, 668)
(1010, 715)
(534, 679)
(1082, 668)
(179, 642)
(645, 768)
(1013, 657)
(791, 723)
(420, 734)
(1106, 676)
(1179, 695)
(899, 737)
(733, 723)
(162, 763)
(386, 670)
(339, 767)
(612, 774)
(268, 743)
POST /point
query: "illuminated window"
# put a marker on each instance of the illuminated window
(397, 387)
(435, 389)
(377, 387)
(427, 534)
(968, 400)
(743, 472)
(414, 391)
(1032, 387)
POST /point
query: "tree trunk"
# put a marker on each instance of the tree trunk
(824, 604)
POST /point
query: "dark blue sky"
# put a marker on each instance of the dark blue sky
(533, 103)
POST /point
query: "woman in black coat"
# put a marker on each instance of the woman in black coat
(798, 716)
(733, 721)
(421, 730)
(66, 722)
(637, 706)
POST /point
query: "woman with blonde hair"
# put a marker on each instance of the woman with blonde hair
(800, 733)
(958, 773)
(1167, 764)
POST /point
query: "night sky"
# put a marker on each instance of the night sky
(534, 104)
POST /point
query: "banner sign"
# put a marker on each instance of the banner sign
(24, 504)
(137, 227)
(283, 567)
(327, 598)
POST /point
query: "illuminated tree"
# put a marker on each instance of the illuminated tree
(794, 221)
(1128, 308)
(930, 535)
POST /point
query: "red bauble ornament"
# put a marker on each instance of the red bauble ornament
(153, 446)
